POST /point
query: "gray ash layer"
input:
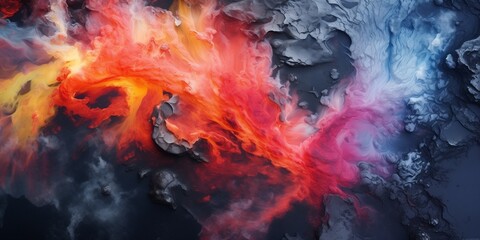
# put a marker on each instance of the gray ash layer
(308, 24)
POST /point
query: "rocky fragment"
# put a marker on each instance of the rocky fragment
(302, 52)
(325, 98)
(410, 166)
(469, 57)
(167, 141)
(162, 184)
(161, 135)
(410, 127)
(334, 74)
(308, 25)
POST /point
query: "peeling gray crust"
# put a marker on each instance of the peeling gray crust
(161, 135)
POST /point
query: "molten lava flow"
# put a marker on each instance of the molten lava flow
(131, 57)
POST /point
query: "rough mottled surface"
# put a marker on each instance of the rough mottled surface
(306, 119)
